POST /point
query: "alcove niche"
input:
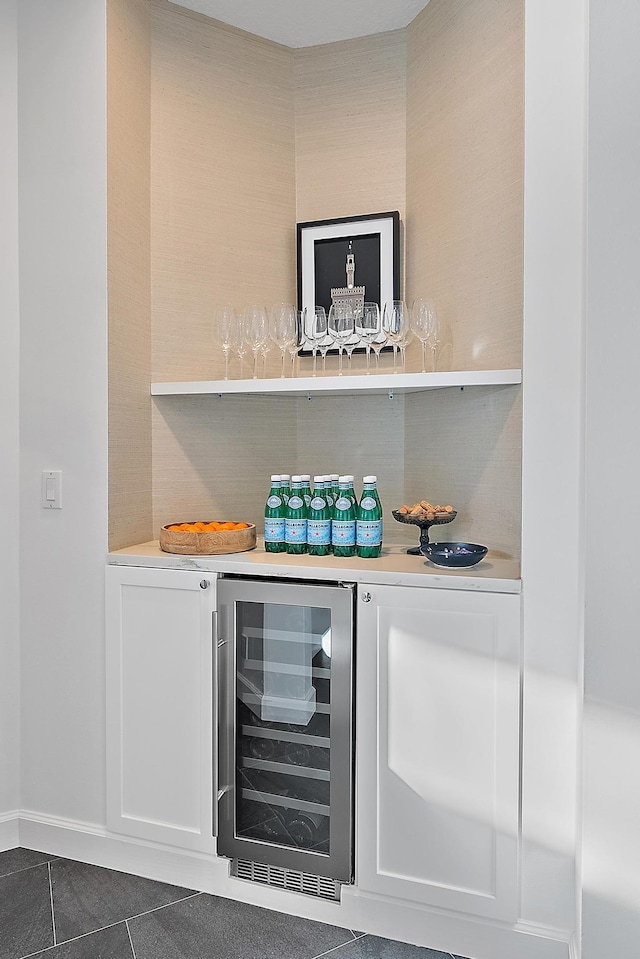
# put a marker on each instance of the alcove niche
(218, 143)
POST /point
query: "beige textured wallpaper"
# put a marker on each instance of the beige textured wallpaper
(465, 123)
(129, 270)
(463, 447)
(350, 109)
(222, 182)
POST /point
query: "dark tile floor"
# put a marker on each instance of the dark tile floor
(53, 908)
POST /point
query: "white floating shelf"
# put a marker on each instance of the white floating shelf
(375, 383)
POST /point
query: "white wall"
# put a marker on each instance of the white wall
(63, 403)
(611, 900)
(555, 130)
(9, 489)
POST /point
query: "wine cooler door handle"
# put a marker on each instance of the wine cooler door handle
(215, 721)
(221, 774)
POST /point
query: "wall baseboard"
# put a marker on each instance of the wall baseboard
(9, 830)
(461, 935)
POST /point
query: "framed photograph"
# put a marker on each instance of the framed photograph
(352, 258)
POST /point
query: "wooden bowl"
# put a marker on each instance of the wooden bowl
(202, 544)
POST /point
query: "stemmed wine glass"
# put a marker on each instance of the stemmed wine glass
(315, 327)
(283, 329)
(257, 331)
(425, 325)
(240, 344)
(222, 331)
(353, 339)
(341, 325)
(368, 328)
(294, 344)
(395, 321)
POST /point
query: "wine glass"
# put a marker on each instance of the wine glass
(222, 332)
(257, 329)
(425, 325)
(341, 327)
(368, 328)
(283, 328)
(240, 344)
(395, 320)
(351, 317)
(315, 326)
(294, 343)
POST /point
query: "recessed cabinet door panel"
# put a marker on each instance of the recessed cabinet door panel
(438, 724)
(159, 648)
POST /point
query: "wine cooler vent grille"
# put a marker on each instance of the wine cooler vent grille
(290, 879)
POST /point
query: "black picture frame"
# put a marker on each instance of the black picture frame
(321, 248)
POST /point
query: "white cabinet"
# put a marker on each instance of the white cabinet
(438, 720)
(159, 661)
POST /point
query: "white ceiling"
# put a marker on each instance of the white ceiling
(306, 23)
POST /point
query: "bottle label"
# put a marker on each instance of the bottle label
(368, 502)
(343, 532)
(295, 531)
(369, 533)
(295, 502)
(317, 503)
(318, 532)
(274, 502)
(343, 502)
(274, 531)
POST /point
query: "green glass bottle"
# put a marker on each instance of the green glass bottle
(295, 519)
(274, 519)
(285, 487)
(369, 521)
(328, 492)
(319, 521)
(335, 486)
(306, 488)
(352, 492)
(343, 522)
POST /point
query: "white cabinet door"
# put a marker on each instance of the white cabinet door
(159, 661)
(438, 719)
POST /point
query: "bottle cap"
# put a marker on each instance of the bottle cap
(342, 480)
(369, 479)
(296, 479)
(317, 480)
(349, 478)
(334, 477)
(275, 478)
(285, 476)
(305, 476)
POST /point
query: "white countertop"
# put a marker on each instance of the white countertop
(495, 574)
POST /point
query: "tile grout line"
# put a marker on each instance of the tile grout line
(110, 925)
(53, 916)
(341, 946)
(14, 872)
(133, 951)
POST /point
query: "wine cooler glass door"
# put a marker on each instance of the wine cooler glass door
(286, 726)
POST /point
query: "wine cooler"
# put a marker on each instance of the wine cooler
(285, 763)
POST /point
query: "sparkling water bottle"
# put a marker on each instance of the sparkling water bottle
(285, 487)
(369, 521)
(343, 522)
(319, 521)
(295, 522)
(306, 488)
(274, 519)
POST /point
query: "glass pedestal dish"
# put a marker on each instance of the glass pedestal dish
(424, 526)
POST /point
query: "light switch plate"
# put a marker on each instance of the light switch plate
(51, 497)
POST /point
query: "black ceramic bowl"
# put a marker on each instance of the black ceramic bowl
(454, 555)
